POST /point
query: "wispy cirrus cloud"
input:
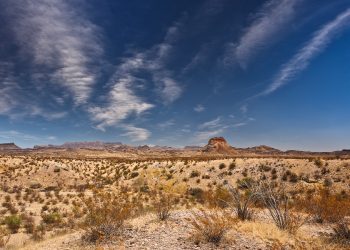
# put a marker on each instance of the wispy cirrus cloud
(270, 20)
(58, 37)
(153, 61)
(8, 88)
(123, 99)
(16, 135)
(217, 122)
(315, 46)
(199, 108)
(136, 134)
(122, 102)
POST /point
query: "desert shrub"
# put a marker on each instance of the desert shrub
(222, 166)
(232, 166)
(342, 232)
(243, 201)
(328, 182)
(134, 174)
(52, 218)
(39, 232)
(318, 162)
(277, 203)
(293, 177)
(194, 173)
(265, 168)
(163, 207)
(28, 224)
(219, 198)
(210, 226)
(197, 193)
(245, 183)
(13, 222)
(327, 207)
(105, 217)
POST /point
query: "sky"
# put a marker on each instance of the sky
(176, 73)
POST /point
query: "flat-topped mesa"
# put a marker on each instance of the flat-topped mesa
(218, 145)
(8, 146)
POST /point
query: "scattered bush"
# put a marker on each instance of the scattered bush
(232, 166)
(222, 166)
(242, 202)
(52, 218)
(210, 226)
(277, 203)
(342, 232)
(39, 232)
(163, 207)
(105, 217)
(327, 207)
(13, 223)
(194, 174)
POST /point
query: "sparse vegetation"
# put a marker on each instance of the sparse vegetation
(210, 226)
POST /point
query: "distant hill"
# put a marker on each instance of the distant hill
(263, 149)
(8, 146)
(97, 145)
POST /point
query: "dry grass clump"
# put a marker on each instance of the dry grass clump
(277, 203)
(13, 222)
(342, 233)
(242, 201)
(210, 225)
(4, 237)
(327, 207)
(106, 214)
(163, 206)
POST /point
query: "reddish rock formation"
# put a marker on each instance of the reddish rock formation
(218, 145)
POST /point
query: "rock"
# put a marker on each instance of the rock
(218, 145)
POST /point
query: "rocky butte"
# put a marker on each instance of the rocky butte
(218, 145)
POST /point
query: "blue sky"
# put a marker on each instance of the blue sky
(176, 73)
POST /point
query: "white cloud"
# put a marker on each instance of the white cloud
(199, 108)
(271, 19)
(8, 89)
(170, 90)
(316, 45)
(166, 124)
(136, 134)
(153, 61)
(240, 124)
(58, 37)
(122, 99)
(211, 124)
(13, 135)
(122, 102)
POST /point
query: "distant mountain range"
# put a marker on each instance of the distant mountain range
(215, 146)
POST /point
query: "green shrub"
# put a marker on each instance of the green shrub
(13, 223)
(52, 218)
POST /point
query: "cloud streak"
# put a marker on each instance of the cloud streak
(268, 22)
(58, 37)
(122, 102)
(315, 46)
(137, 134)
